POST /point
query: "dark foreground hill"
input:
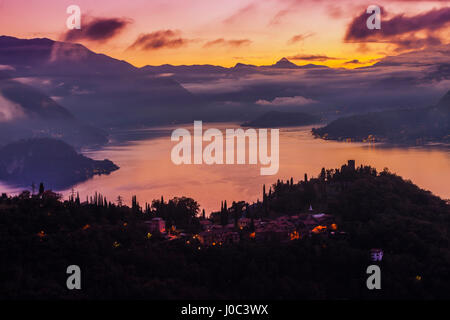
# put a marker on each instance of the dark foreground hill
(409, 126)
(41, 236)
(273, 119)
(50, 161)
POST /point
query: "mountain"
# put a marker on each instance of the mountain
(25, 112)
(409, 126)
(273, 119)
(50, 161)
(109, 93)
(95, 88)
(168, 69)
(284, 63)
(444, 103)
(42, 56)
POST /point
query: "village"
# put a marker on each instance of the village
(281, 229)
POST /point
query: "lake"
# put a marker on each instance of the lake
(146, 169)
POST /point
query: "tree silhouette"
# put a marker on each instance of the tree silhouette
(41, 189)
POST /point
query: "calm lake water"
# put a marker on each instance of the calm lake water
(146, 169)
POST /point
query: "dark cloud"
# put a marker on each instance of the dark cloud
(312, 57)
(231, 43)
(395, 29)
(416, 43)
(97, 29)
(299, 37)
(355, 61)
(158, 40)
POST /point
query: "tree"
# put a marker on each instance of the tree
(322, 175)
(135, 204)
(236, 209)
(41, 189)
(119, 201)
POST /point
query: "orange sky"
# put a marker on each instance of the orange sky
(220, 32)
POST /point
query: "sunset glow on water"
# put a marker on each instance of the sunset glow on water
(147, 171)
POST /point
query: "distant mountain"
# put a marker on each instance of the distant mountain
(284, 63)
(243, 66)
(26, 112)
(168, 69)
(444, 103)
(50, 161)
(280, 119)
(33, 102)
(42, 56)
(410, 126)
(96, 88)
(109, 93)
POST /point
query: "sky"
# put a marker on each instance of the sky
(225, 32)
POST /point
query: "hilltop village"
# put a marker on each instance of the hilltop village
(312, 238)
(257, 222)
(281, 229)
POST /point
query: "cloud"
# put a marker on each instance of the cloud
(230, 43)
(300, 37)
(401, 29)
(286, 101)
(335, 11)
(312, 57)
(159, 39)
(97, 29)
(437, 56)
(9, 111)
(276, 20)
(240, 14)
(6, 67)
(355, 61)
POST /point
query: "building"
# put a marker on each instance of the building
(206, 224)
(156, 225)
(244, 222)
(376, 255)
(218, 236)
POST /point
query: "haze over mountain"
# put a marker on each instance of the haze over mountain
(94, 87)
(106, 92)
(26, 112)
(277, 119)
(408, 80)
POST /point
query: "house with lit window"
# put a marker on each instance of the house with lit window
(376, 255)
(156, 225)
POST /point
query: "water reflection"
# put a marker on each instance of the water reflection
(147, 170)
